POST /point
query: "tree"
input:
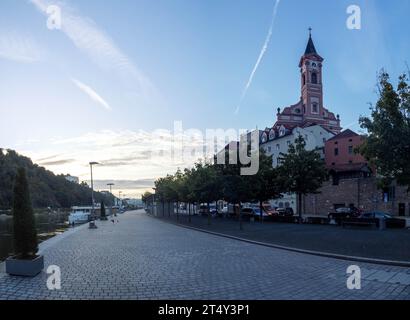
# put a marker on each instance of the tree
(387, 145)
(235, 187)
(25, 233)
(146, 196)
(204, 184)
(265, 184)
(301, 171)
(103, 213)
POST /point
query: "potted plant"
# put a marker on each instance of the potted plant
(103, 213)
(25, 261)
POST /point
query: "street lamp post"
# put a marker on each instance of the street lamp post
(110, 185)
(92, 222)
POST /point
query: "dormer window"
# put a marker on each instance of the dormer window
(282, 131)
(264, 137)
(272, 134)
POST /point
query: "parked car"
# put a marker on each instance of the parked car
(285, 212)
(345, 212)
(390, 221)
(375, 215)
(253, 212)
(203, 209)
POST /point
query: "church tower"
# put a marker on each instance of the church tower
(311, 82)
(310, 109)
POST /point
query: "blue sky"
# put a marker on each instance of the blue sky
(121, 69)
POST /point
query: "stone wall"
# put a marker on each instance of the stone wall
(360, 192)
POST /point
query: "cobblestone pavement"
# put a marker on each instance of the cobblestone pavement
(145, 258)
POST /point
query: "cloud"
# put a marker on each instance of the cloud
(19, 48)
(125, 184)
(96, 44)
(91, 93)
(56, 163)
(261, 55)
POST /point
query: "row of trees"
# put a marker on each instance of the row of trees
(46, 188)
(300, 172)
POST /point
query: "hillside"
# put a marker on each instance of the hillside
(47, 189)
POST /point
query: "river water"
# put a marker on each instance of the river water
(48, 223)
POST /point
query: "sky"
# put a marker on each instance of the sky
(113, 83)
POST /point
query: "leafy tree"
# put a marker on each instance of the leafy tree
(301, 171)
(265, 184)
(235, 187)
(204, 183)
(25, 233)
(387, 145)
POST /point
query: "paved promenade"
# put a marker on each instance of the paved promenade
(145, 258)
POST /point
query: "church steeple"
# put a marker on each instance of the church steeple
(310, 48)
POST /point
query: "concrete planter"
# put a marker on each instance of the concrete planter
(24, 268)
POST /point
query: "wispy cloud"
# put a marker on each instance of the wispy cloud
(56, 163)
(91, 93)
(19, 48)
(85, 34)
(261, 55)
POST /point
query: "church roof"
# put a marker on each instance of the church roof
(310, 48)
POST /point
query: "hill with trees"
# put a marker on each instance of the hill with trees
(46, 188)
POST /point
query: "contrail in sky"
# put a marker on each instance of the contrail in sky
(261, 55)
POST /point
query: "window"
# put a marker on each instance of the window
(282, 132)
(336, 151)
(269, 149)
(314, 78)
(315, 108)
(264, 137)
(272, 134)
(278, 147)
(304, 79)
(288, 142)
(306, 137)
(389, 194)
(350, 149)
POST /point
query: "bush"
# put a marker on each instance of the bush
(25, 233)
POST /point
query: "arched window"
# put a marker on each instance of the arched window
(314, 77)
(315, 108)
